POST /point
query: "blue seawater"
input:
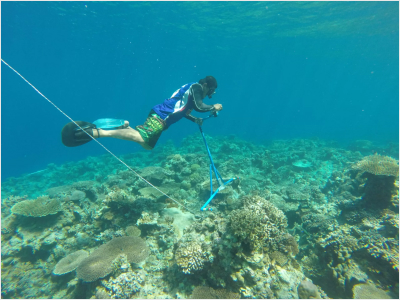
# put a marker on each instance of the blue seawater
(284, 70)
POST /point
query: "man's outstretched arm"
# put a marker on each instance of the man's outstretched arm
(199, 105)
(194, 119)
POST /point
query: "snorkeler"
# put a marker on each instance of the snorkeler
(179, 105)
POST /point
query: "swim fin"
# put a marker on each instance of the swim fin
(73, 136)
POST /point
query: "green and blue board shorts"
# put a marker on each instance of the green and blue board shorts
(151, 129)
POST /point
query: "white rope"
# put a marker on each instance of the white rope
(94, 138)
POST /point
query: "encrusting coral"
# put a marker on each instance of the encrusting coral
(39, 207)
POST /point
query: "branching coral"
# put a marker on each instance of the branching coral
(341, 241)
(119, 196)
(298, 192)
(258, 223)
(385, 248)
(39, 207)
(125, 285)
(191, 257)
(288, 244)
(279, 258)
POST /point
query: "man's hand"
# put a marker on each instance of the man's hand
(199, 121)
(217, 107)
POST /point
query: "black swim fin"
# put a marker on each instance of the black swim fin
(73, 136)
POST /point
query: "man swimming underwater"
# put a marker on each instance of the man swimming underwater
(187, 98)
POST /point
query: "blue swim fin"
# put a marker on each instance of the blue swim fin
(109, 123)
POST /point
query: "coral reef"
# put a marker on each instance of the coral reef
(300, 223)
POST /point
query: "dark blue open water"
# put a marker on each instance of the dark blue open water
(284, 70)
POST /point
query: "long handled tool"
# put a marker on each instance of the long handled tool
(221, 183)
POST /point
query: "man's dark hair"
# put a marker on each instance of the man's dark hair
(210, 80)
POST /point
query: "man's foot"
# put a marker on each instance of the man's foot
(82, 136)
(126, 125)
(72, 135)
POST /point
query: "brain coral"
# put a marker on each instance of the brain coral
(100, 262)
(39, 207)
(378, 165)
(190, 256)
(70, 262)
(259, 222)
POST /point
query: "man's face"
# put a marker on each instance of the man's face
(211, 92)
(208, 91)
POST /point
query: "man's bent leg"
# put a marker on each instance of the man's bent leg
(128, 134)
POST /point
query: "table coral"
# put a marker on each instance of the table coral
(378, 165)
(132, 231)
(99, 263)
(70, 262)
(39, 207)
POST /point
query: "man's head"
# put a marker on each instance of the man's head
(209, 84)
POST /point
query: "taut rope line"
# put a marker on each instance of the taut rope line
(94, 138)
